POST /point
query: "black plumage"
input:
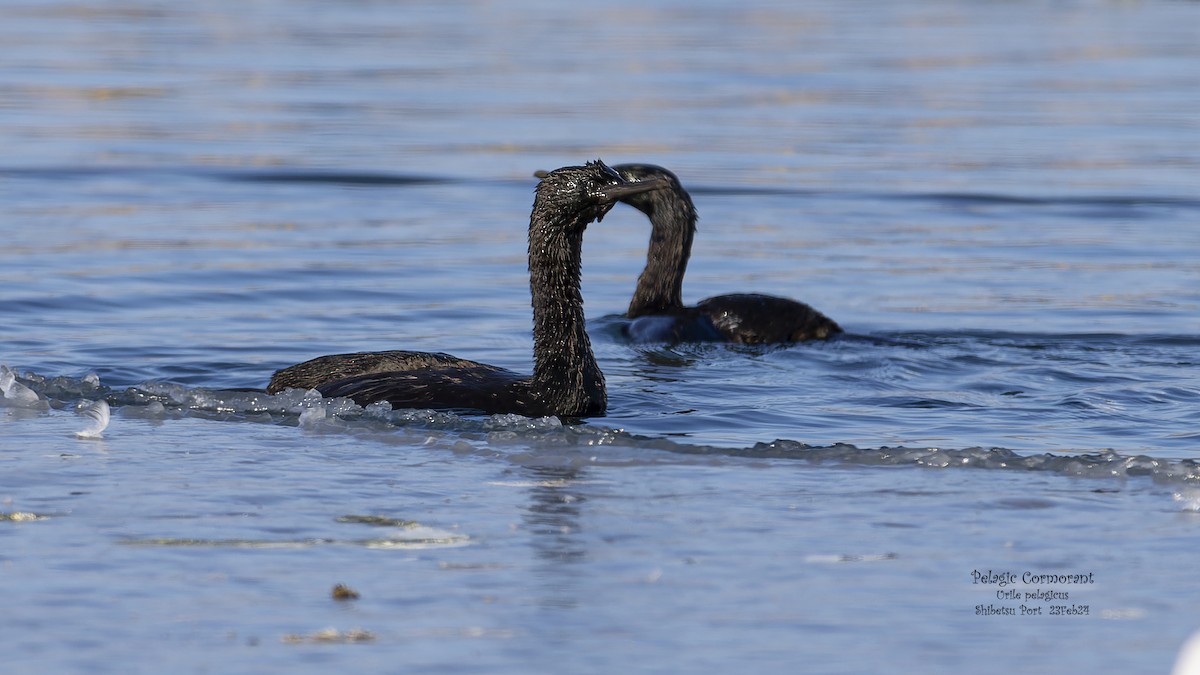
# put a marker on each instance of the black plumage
(566, 379)
(657, 310)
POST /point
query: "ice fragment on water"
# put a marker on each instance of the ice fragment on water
(14, 393)
(312, 417)
(98, 414)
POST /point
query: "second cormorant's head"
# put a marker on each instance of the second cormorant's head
(590, 191)
(672, 196)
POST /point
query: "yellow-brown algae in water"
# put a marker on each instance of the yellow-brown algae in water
(21, 516)
(331, 635)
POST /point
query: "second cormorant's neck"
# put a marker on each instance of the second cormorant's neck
(565, 374)
(660, 286)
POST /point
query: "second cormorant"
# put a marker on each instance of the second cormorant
(657, 310)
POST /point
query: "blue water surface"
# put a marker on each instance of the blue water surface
(996, 201)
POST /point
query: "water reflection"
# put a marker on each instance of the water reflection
(553, 517)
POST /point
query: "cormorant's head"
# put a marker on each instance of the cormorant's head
(591, 190)
(637, 172)
(673, 193)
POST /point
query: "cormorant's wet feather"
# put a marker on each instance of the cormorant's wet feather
(315, 372)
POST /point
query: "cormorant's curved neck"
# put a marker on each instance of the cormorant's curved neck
(660, 286)
(566, 376)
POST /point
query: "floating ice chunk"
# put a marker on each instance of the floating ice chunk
(14, 393)
(98, 414)
(343, 407)
(380, 410)
(290, 399)
(175, 394)
(515, 422)
(312, 417)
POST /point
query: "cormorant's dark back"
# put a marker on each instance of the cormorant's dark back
(566, 380)
(657, 310)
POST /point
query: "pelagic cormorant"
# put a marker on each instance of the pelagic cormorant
(657, 310)
(566, 380)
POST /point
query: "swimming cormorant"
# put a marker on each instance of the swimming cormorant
(657, 308)
(566, 380)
